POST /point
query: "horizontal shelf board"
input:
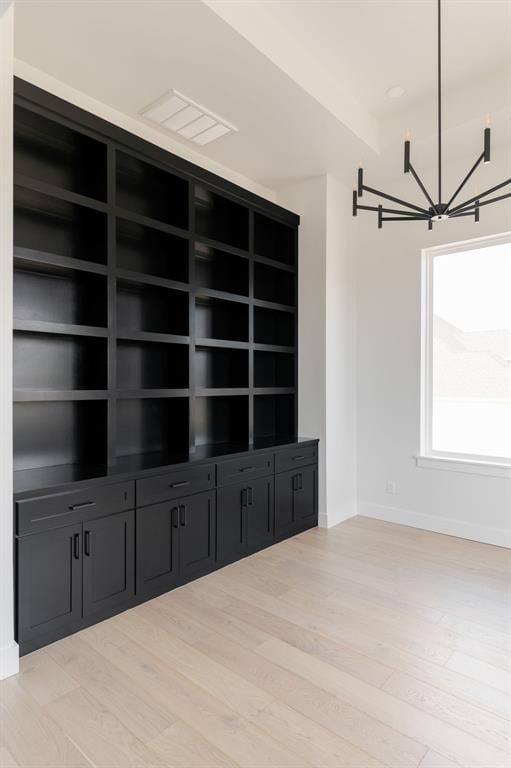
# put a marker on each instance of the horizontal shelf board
(211, 292)
(135, 394)
(223, 343)
(141, 277)
(62, 194)
(218, 245)
(273, 305)
(221, 391)
(146, 221)
(274, 390)
(58, 395)
(274, 263)
(40, 326)
(53, 259)
(165, 338)
(45, 478)
(273, 348)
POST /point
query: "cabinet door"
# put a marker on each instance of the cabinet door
(108, 562)
(260, 511)
(305, 497)
(157, 553)
(295, 500)
(231, 534)
(284, 503)
(196, 534)
(49, 583)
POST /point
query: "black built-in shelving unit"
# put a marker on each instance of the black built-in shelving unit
(155, 304)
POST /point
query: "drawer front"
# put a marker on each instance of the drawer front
(154, 490)
(47, 512)
(237, 470)
(292, 458)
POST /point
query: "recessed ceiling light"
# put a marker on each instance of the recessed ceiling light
(180, 114)
(395, 92)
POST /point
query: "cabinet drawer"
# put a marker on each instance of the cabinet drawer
(235, 470)
(153, 490)
(47, 512)
(295, 457)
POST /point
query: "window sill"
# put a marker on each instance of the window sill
(468, 466)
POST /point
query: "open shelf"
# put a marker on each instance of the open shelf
(220, 368)
(150, 191)
(142, 365)
(221, 219)
(220, 271)
(274, 285)
(274, 369)
(219, 319)
(54, 433)
(50, 293)
(274, 240)
(274, 416)
(54, 154)
(150, 308)
(51, 225)
(45, 362)
(151, 251)
(272, 326)
(221, 420)
(147, 426)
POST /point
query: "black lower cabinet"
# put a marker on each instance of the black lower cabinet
(295, 501)
(244, 519)
(196, 535)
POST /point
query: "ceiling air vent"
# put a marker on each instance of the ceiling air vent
(180, 114)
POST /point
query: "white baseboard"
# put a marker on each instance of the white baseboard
(336, 515)
(9, 660)
(500, 537)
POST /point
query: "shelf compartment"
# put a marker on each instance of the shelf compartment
(50, 434)
(220, 271)
(272, 326)
(150, 191)
(55, 294)
(142, 365)
(151, 309)
(274, 416)
(46, 362)
(47, 151)
(274, 369)
(152, 426)
(220, 368)
(151, 251)
(274, 285)
(51, 225)
(221, 420)
(274, 240)
(220, 219)
(220, 319)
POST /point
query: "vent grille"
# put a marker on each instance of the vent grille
(185, 117)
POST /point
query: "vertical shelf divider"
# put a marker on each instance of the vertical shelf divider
(112, 307)
(191, 316)
(251, 327)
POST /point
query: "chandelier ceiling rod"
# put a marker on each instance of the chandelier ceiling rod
(436, 211)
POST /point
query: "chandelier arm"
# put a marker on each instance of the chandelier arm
(397, 211)
(484, 202)
(421, 185)
(395, 199)
(461, 206)
(467, 177)
(439, 104)
(405, 218)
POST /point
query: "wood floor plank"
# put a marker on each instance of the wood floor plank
(43, 679)
(6, 759)
(183, 747)
(480, 670)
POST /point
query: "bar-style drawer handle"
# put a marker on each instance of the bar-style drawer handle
(180, 484)
(246, 469)
(299, 458)
(83, 505)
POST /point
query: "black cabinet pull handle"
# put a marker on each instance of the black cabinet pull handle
(250, 496)
(86, 543)
(76, 546)
(243, 497)
(180, 484)
(175, 517)
(246, 469)
(83, 505)
(183, 514)
(300, 481)
(295, 482)
(298, 458)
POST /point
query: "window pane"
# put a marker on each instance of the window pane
(472, 352)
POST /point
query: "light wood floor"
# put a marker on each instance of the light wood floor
(364, 646)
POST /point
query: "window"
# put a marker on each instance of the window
(466, 353)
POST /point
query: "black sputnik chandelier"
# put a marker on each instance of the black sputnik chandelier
(439, 211)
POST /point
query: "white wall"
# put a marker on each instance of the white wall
(388, 374)
(327, 380)
(8, 648)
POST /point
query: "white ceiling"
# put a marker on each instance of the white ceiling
(305, 81)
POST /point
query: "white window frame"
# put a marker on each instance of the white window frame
(459, 462)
